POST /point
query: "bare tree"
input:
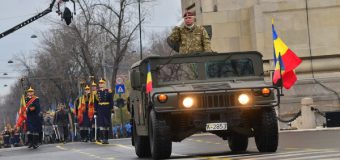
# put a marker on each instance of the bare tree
(115, 20)
(159, 45)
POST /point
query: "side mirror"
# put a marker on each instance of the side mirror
(135, 79)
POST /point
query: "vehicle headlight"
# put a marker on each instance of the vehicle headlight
(188, 102)
(162, 98)
(243, 99)
(265, 91)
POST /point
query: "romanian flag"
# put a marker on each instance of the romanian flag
(81, 109)
(90, 112)
(22, 112)
(285, 62)
(148, 80)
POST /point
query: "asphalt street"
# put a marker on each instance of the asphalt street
(323, 144)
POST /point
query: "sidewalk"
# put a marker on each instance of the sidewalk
(310, 130)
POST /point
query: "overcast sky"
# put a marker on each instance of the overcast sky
(164, 14)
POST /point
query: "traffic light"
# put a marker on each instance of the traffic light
(67, 16)
(120, 102)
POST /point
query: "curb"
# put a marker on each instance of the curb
(311, 130)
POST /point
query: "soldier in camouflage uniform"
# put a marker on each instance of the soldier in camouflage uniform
(191, 38)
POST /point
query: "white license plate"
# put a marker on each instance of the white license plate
(216, 126)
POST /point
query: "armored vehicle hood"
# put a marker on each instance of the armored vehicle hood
(211, 86)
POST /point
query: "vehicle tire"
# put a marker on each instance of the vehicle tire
(159, 136)
(266, 133)
(237, 142)
(142, 145)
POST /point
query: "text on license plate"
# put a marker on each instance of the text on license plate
(216, 126)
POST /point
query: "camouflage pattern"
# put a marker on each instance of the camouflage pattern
(191, 40)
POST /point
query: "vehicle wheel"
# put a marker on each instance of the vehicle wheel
(160, 140)
(238, 142)
(142, 145)
(266, 133)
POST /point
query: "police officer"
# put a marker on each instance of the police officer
(82, 112)
(92, 108)
(104, 110)
(191, 38)
(33, 121)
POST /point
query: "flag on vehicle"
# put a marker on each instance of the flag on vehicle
(285, 61)
(149, 80)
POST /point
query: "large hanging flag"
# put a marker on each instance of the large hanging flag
(285, 62)
(149, 80)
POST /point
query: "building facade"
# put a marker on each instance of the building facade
(311, 28)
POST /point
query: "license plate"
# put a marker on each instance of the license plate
(216, 126)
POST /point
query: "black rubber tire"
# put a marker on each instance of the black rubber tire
(142, 145)
(159, 136)
(266, 133)
(237, 142)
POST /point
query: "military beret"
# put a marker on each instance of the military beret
(188, 13)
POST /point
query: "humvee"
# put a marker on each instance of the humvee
(224, 94)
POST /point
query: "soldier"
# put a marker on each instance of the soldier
(92, 109)
(61, 119)
(190, 38)
(6, 134)
(33, 121)
(82, 112)
(15, 138)
(1, 140)
(104, 110)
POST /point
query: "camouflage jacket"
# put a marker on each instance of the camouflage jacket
(191, 40)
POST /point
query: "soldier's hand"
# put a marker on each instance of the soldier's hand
(176, 28)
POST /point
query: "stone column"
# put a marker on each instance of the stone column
(307, 115)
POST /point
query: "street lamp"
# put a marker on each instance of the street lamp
(140, 32)
(34, 36)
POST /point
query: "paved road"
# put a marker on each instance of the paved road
(293, 146)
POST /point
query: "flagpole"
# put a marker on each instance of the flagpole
(281, 77)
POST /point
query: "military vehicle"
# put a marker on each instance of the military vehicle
(224, 94)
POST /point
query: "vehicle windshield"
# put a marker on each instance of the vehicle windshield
(178, 72)
(212, 70)
(229, 68)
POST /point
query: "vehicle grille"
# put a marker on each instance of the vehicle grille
(216, 100)
(213, 100)
(211, 86)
